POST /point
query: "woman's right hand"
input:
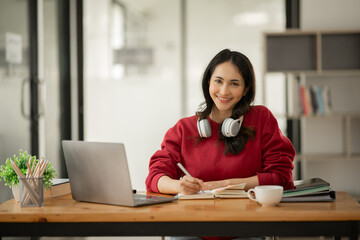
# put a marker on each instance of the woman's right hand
(190, 185)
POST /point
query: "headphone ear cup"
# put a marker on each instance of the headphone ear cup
(230, 127)
(204, 128)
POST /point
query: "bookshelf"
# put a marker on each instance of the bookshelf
(322, 72)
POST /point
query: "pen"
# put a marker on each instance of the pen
(185, 171)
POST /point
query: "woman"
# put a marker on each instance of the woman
(228, 141)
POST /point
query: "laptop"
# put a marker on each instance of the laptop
(99, 173)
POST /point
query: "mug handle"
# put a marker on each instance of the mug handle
(252, 190)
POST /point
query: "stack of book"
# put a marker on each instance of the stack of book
(60, 186)
(308, 99)
(309, 190)
(315, 100)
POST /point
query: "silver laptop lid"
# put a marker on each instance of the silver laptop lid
(98, 172)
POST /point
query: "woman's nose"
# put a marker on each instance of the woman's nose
(224, 89)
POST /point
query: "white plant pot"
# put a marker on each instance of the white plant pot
(15, 191)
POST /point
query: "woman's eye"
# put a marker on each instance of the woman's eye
(235, 84)
(217, 81)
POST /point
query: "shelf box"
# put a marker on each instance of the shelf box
(327, 157)
(291, 52)
(324, 65)
(340, 51)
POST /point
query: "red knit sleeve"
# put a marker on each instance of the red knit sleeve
(164, 161)
(277, 154)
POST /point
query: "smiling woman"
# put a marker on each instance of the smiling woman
(256, 153)
(229, 141)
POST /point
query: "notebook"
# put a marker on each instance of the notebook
(99, 173)
(233, 191)
(309, 190)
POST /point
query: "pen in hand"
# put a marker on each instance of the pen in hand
(185, 171)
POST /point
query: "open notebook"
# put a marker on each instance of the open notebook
(233, 191)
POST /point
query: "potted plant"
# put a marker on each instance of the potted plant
(9, 176)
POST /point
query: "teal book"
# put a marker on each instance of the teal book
(309, 190)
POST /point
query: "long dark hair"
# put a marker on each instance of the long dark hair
(235, 144)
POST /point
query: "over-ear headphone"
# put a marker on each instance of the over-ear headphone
(230, 127)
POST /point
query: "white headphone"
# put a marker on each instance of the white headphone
(229, 128)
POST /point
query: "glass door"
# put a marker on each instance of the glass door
(51, 92)
(15, 120)
(34, 77)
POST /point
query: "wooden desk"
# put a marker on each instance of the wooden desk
(63, 216)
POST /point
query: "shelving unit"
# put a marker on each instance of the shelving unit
(321, 59)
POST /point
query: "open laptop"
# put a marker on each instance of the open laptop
(99, 173)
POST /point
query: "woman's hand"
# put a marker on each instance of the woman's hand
(251, 182)
(190, 185)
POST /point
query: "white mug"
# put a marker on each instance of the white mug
(266, 195)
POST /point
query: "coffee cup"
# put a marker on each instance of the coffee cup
(266, 195)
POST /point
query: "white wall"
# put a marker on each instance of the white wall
(136, 109)
(139, 109)
(237, 25)
(330, 14)
(342, 174)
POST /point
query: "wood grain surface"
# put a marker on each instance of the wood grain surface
(65, 209)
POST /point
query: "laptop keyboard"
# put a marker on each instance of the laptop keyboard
(143, 199)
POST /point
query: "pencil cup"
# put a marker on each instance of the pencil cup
(31, 192)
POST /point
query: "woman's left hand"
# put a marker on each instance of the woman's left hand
(251, 182)
(215, 184)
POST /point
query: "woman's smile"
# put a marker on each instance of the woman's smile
(224, 99)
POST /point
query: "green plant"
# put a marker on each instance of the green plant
(8, 175)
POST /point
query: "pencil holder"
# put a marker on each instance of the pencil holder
(31, 192)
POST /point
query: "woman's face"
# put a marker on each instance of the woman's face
(226, 87)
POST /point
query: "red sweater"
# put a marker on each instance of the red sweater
(269, 155)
